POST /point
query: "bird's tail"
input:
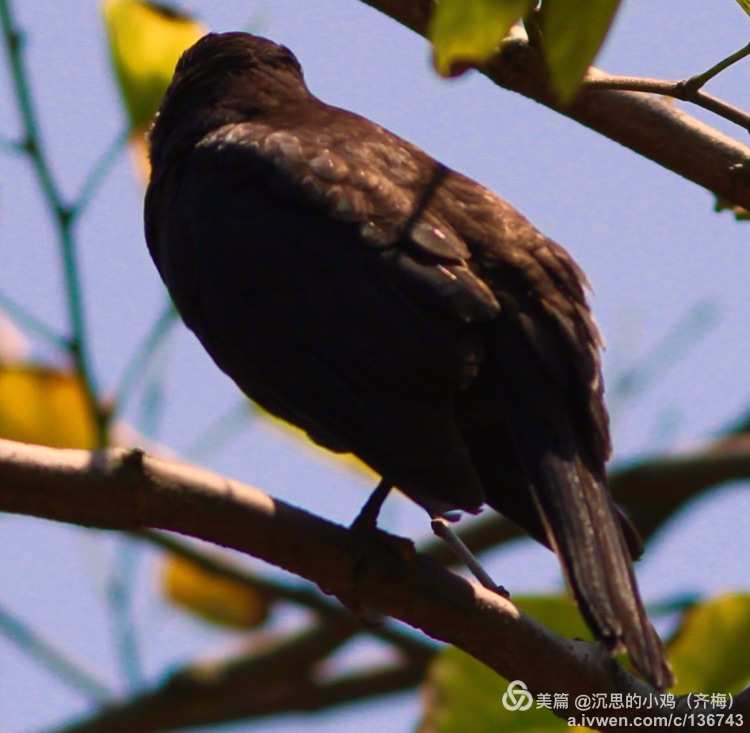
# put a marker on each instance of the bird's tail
(582, 526)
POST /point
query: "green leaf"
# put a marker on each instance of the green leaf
(145, 41)
(745, 5)
(558, 613)
(468, 32)
(465, 696)
(573, 33)
(709, 653)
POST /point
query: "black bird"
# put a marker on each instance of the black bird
(393, 308)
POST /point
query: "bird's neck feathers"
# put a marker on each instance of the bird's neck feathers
(197, 103)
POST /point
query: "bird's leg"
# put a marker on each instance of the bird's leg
(441, 527)
(365, 527)
(364, 531)
(367, 519)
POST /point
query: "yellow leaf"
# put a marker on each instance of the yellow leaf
(145, 42)
(44, 406)
(468, 32)
(573, 33)
(710, 650)
(212, 597)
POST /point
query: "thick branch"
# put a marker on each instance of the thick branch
(645, 123)
(206, 700)
(280, 677)
(651, 491)
(305, 596)
(128, 490)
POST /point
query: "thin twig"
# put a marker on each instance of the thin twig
(119, 597)
(141, 358)
(56, 661)
(694, 83)
(645, 123)
(32, 323)
(64, 216)
(11, 146)
(666, 353)
(220, 430)
(678, 603)
(99, 172)
(152, 403)
(675, 89)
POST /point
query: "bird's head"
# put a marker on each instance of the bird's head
(223, 78)
(219, 56)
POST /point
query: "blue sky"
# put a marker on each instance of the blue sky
(650, 242)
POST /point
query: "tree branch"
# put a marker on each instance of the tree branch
(282, 676)
(63, 216)
(98, 173)
(696, 81)
(59, 663)
(677, 89)
(651, 491)
(142, 356)
(29, 321)
(204, 696)
(649, 125)
(127, 490)
(307, 597)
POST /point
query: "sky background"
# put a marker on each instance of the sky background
(649, 241)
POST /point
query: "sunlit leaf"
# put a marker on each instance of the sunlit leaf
(145, 42)
(468, 32)
(214, 598)
(710, 650)
(573, 33)
(558, 613)
(745, 5)
(462, 695)
(44, 406)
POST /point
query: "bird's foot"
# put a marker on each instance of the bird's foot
(441, 527)
(368, 541)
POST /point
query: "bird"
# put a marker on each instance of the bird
(392, 308)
